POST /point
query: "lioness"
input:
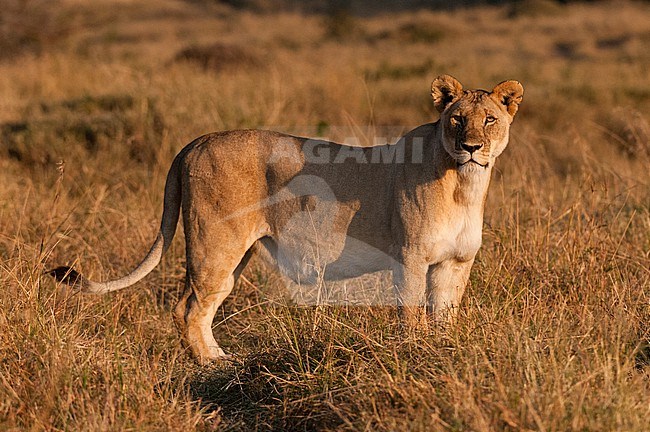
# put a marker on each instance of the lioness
(321, 209)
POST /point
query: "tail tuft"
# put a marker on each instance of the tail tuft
(67, 275)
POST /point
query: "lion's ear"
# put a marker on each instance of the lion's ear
(509, 93)
(445, 89)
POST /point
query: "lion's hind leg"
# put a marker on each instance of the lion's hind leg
(194, 315)
(213, 266)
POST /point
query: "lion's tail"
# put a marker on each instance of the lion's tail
(171, 211)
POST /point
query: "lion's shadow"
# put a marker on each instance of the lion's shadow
(248, 395)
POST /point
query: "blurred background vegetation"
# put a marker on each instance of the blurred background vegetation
(97, 97)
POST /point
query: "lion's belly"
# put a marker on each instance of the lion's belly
(315, 236)
(307, 258)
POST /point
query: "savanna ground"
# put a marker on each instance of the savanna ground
(553, 333)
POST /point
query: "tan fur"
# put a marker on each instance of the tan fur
(321, 209)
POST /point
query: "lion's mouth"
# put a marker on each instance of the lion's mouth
(471, 160)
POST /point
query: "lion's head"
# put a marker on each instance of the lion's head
(475, 123)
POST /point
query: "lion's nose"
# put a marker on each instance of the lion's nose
(471, 148)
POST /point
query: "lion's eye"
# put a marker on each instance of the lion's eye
(490, 119)
(457, 120)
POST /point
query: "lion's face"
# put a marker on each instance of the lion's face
(475, 124)
(475, 130)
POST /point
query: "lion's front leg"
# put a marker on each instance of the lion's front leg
(446, 282)
(409, 280)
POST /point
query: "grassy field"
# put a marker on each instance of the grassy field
(554, 330)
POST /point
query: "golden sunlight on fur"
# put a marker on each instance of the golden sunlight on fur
(250, 192)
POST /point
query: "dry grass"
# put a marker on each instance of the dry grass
(553, 332)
